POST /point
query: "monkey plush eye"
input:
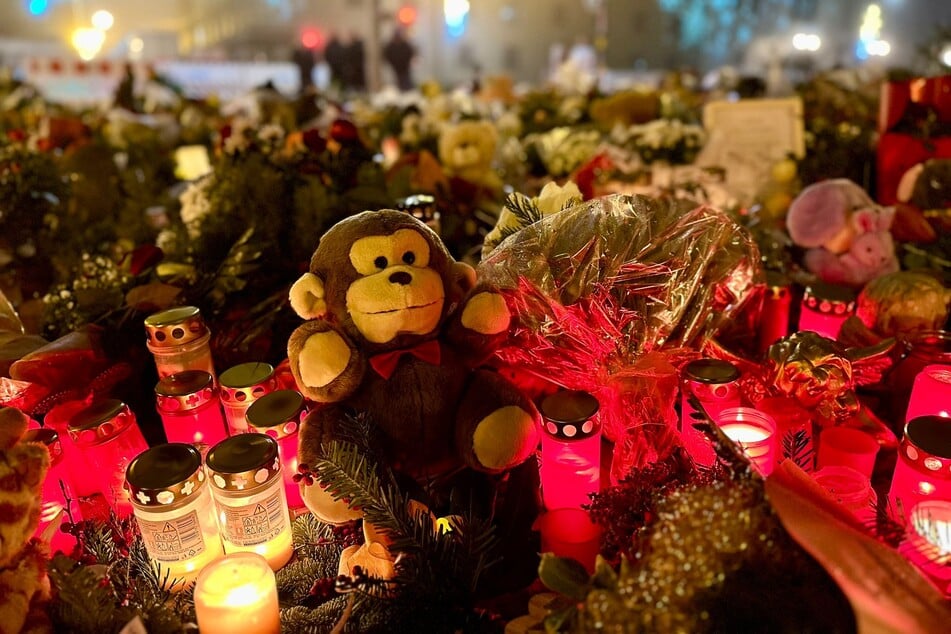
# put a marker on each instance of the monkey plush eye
(380, 262)
(409, 257)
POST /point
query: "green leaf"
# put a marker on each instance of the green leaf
(564, 575)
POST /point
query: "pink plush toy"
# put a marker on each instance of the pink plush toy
(845, 232)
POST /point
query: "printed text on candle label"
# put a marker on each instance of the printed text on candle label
(254, 523)
(173, 540)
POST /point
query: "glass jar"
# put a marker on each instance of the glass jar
(571, 449)
(279, 415)
(931, 393)
(825, 308)
(241, 386)
(851, 489)
(917, 349)
(795, 433)
(107, 438)
(178, 339)
(59, 503)
(190, 410)
(714, 385)
(249, 497)
(754, 432)
(928, 542)
(175, 512)
(923, 468)
(422, 207)
(237, 593)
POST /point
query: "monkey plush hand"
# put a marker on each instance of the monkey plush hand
(388, 332)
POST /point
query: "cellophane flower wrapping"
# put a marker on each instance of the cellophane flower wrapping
(612, 295)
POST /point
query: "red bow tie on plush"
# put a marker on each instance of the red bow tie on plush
(385, 363)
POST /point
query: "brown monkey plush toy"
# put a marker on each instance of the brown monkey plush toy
(393, 323)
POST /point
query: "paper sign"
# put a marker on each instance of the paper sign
(746, 138)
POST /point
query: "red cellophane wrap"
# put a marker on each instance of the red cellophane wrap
(610, 296)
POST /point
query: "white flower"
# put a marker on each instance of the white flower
(271, 133)
(195, 205)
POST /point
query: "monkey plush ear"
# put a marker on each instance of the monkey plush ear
(307, 297)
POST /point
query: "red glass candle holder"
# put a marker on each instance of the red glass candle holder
(571, 449)
(774, 318)
(59, 502)
(928, 542)
(795, 431)
(923, 468)
(190, 410)
(107, 438)
(713, 383)
(279, 415)
(847, 447)
(825, 308)
(241, 386)
(931, 393)
(851, 489)
(755, 434)
(918, 349)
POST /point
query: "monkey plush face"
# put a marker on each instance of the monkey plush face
(396, 291)
(383, 277)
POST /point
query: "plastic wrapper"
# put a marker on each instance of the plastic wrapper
(595, 288)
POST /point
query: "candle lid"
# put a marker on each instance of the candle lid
(422, 206)
(243, 461)
(927, 443)
(174, 326)
(711, 371)
(101, 421)
(184, 390)
(246, 382)
(276, 414)
(49, 439)
(568, 414)
(829, 299)
(165, 474)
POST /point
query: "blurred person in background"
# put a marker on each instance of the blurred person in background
(399, 53)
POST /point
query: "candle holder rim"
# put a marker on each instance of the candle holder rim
(96, 413)
(746, 415)
(928, 341)
(260, 564)
(589, 406)
(931, 434)
(184, 382)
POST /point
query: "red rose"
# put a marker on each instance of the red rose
(343, 131)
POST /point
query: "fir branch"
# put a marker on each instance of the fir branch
(524, 208)
(797, 446)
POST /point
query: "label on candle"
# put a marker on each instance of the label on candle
(174, 539)
(254, 523)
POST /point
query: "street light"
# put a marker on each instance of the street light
(102, 20)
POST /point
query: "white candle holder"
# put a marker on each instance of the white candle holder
(237, 593)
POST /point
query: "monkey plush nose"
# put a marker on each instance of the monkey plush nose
(401, 277)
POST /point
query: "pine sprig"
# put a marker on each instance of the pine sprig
(797, 446)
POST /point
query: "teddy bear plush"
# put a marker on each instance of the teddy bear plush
(394, 327)
(467, 149)
(23, 581)
(845, 233)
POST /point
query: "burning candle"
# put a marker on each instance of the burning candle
(754, 432)
(279, 415)
(174, 511)
(571, 449)
(713, 383)
(923, 469)
(825, 308)
(107, 436)
(178, 339)
(249, 496)
(931, 393)
(237, 593)
(241, 386)
(57, 491)
(928, 545)
(190, 410)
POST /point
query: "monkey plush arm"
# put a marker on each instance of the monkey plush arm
(317, 430)
(325, 363)
(480, 325)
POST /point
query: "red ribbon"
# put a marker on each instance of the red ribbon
(385, 363)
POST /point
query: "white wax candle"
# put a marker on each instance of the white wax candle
(237, 593)
(745, 433)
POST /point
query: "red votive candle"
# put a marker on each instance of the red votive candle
(241, 386)
(279, 415)
(847, 447)
(569, 532)
(57, 493)
(794, 431)
(755, 434)
(825, 308)
(190, 410)
(107, 438)
(713, 383)
(923, 469)
(931, 393)
(851, 489)
(774, 318)
(571, 449)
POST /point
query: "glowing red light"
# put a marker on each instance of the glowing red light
(310, 38)
(406, 15)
